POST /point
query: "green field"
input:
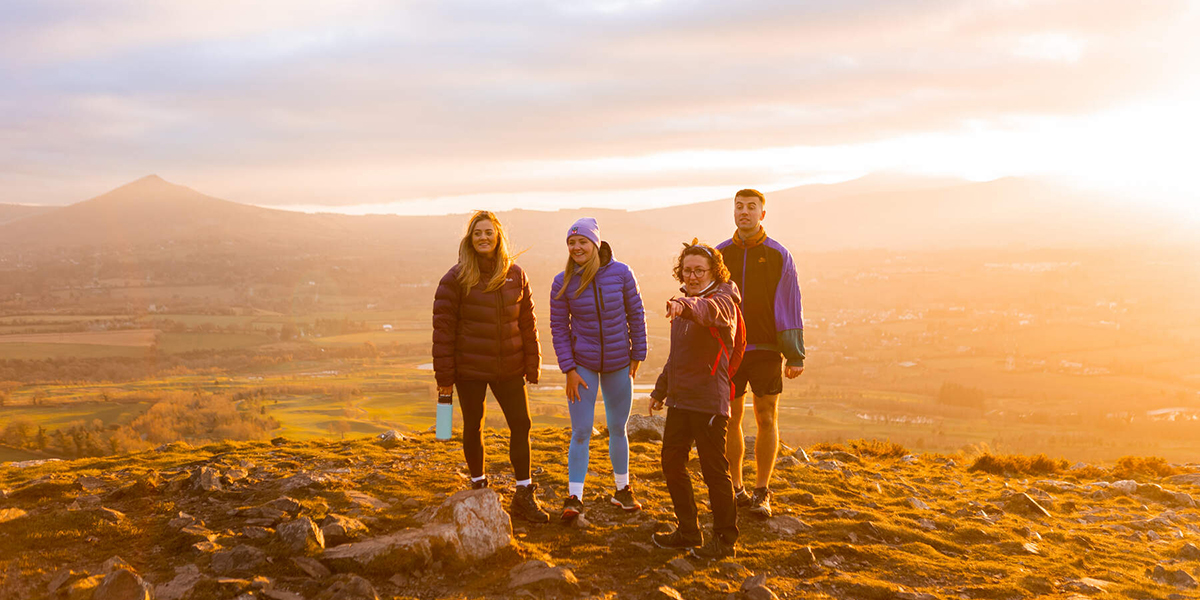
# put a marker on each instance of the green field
(26, 351)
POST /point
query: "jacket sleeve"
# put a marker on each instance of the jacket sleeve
(529, 333)
(560, 326)
(789, 314)
(445, 327)
(636, 316)
(663, 383)
(717, 310)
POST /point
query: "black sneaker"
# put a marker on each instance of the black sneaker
(624, 498)
(572, 506)
(675, 540)
(526, 505)
(760, 504)
(714, 549)
(741, 497)
(479, 485)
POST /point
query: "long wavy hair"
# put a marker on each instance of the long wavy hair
(587, 272)
(468, 259)
(716, 262)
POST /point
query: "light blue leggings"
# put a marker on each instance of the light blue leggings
(618, 399)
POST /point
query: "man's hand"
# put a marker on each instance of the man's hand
(674, 309)
(793, 372)
(633, 368)
(573, 383)
(445, 390)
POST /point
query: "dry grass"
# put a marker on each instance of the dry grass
(1017, 464)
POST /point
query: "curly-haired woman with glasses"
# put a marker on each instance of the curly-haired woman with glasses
(707, 338)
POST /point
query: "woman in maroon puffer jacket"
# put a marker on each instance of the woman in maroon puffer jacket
(485, 334)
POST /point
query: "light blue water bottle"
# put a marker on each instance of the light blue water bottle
(445, 415)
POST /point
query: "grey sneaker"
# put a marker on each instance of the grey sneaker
(714, 549)
(741, 497)
(572, 506)
(675, 540)
(624, 498)
(479, 485)
(760, 504)
(526, 505)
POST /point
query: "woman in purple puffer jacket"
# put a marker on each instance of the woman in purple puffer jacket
(599, 331)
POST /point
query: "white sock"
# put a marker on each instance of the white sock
(480, 478)
(622, 480)
(525, 482)
(576, 489)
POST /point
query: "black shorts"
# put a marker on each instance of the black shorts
(763, 370)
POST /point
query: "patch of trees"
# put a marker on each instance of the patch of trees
(176, 416)
(954, 394)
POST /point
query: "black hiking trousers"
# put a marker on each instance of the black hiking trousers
(708, 431)
(514, 402)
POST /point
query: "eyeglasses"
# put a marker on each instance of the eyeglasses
(695, 272)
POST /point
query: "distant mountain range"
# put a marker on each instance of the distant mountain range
(874, 212)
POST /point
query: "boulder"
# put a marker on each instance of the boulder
(541, 575)
(206, 479)
(123, 584)
(469, 526)
(349, 587)
(339, 529)
(301, 536)
(240, 558)
(186, 578)
(390, 438)
(645, 428)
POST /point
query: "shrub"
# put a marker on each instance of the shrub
(1018, 464)
(1130, 467)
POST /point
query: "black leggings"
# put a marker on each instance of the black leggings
(514, 401)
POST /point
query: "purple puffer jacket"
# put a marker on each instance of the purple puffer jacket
(604, 327)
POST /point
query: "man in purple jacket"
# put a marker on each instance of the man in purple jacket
(764, 272)
(695, 386)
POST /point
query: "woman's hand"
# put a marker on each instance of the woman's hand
(674, 309)
(655, 405)
(573, 383)
(633, 368)
(445, 390)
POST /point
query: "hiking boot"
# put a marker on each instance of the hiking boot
(624, 498)
(526, 505)
(741, 497)
(572, 506)
(479, 485)
(714, 549)
(760, 504)
(675, 540)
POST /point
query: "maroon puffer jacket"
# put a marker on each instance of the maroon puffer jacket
(485, 336)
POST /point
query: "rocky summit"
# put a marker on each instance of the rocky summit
(393, 517)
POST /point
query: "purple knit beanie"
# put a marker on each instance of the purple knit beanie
(588, 228)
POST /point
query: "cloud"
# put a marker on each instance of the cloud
(297, 102)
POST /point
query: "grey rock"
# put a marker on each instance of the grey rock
(786, 525)
(186, 578)
(288, 505)
(754, 581)
(339, 529)
(311, 566)
(761, 592)
(681, 565)
(917, 503)
(1187, 479)
(349, 587)
(801, 455)
(301, 536)
(666, 592)
(1189, 552)
(1025, 505)
(366, 501)
(787, 461)
(11, 514)
(642, 428)
(540, 574)
(1125, 486)
(1179, 579)
(207, 479)
(64, 577)
(240, 558)
(390, 438)
(123, 584)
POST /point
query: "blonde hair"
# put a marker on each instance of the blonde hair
(587, 272)
(468, 258)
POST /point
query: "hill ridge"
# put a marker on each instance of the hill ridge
(203, 522)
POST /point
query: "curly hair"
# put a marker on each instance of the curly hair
(716, 261)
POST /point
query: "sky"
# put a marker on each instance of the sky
(444, 106)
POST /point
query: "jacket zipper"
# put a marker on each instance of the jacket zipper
(500, 332)
(599, 316)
